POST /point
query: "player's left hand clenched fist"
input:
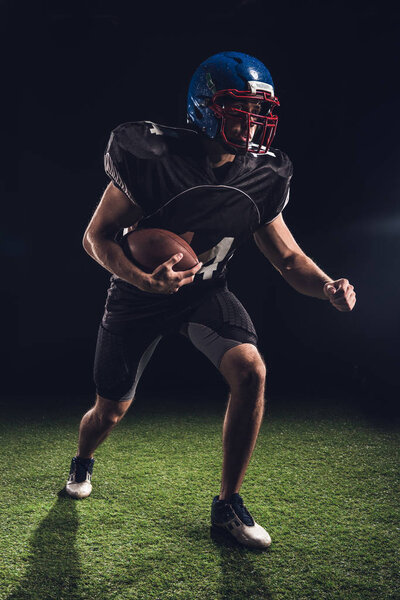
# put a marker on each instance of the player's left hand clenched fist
(341, 294)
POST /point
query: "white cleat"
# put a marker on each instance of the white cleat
(80, 476)
(234, 517)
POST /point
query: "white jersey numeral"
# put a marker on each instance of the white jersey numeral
(218, 253)
(155, 129)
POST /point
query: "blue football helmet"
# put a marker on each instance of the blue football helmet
(231, 96)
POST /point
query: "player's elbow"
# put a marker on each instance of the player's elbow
(93, 240)
(86, 243)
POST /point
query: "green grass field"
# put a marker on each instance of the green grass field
(323, 481)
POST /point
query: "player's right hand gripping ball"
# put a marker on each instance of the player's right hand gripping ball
(149, 248)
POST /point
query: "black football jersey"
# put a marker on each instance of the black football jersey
(166, 171)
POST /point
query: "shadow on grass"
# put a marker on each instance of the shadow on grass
(242, 577)
(53, 570)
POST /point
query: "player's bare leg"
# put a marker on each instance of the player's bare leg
(244, 370)
(97, 424)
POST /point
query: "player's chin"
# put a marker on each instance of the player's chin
(241, 140)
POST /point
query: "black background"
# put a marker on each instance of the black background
(74, 70)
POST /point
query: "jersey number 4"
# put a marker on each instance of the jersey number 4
(217, 255)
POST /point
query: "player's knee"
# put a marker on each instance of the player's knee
(110, 419)
(251, 375)
(244, 368)
(110, 412)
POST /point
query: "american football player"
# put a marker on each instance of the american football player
(215, 183)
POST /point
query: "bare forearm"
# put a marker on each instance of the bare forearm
(110, 255)
(305, 276)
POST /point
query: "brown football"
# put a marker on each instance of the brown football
(149, 248)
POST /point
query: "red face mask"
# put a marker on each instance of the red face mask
(247, 122)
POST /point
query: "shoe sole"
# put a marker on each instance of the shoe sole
(218, 531)
(76, 496)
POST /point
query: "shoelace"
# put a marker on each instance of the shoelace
(225, 513)
(241, 510)
(81, 470)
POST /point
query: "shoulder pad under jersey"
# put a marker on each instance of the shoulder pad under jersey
(146, 140)
(277, 160)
